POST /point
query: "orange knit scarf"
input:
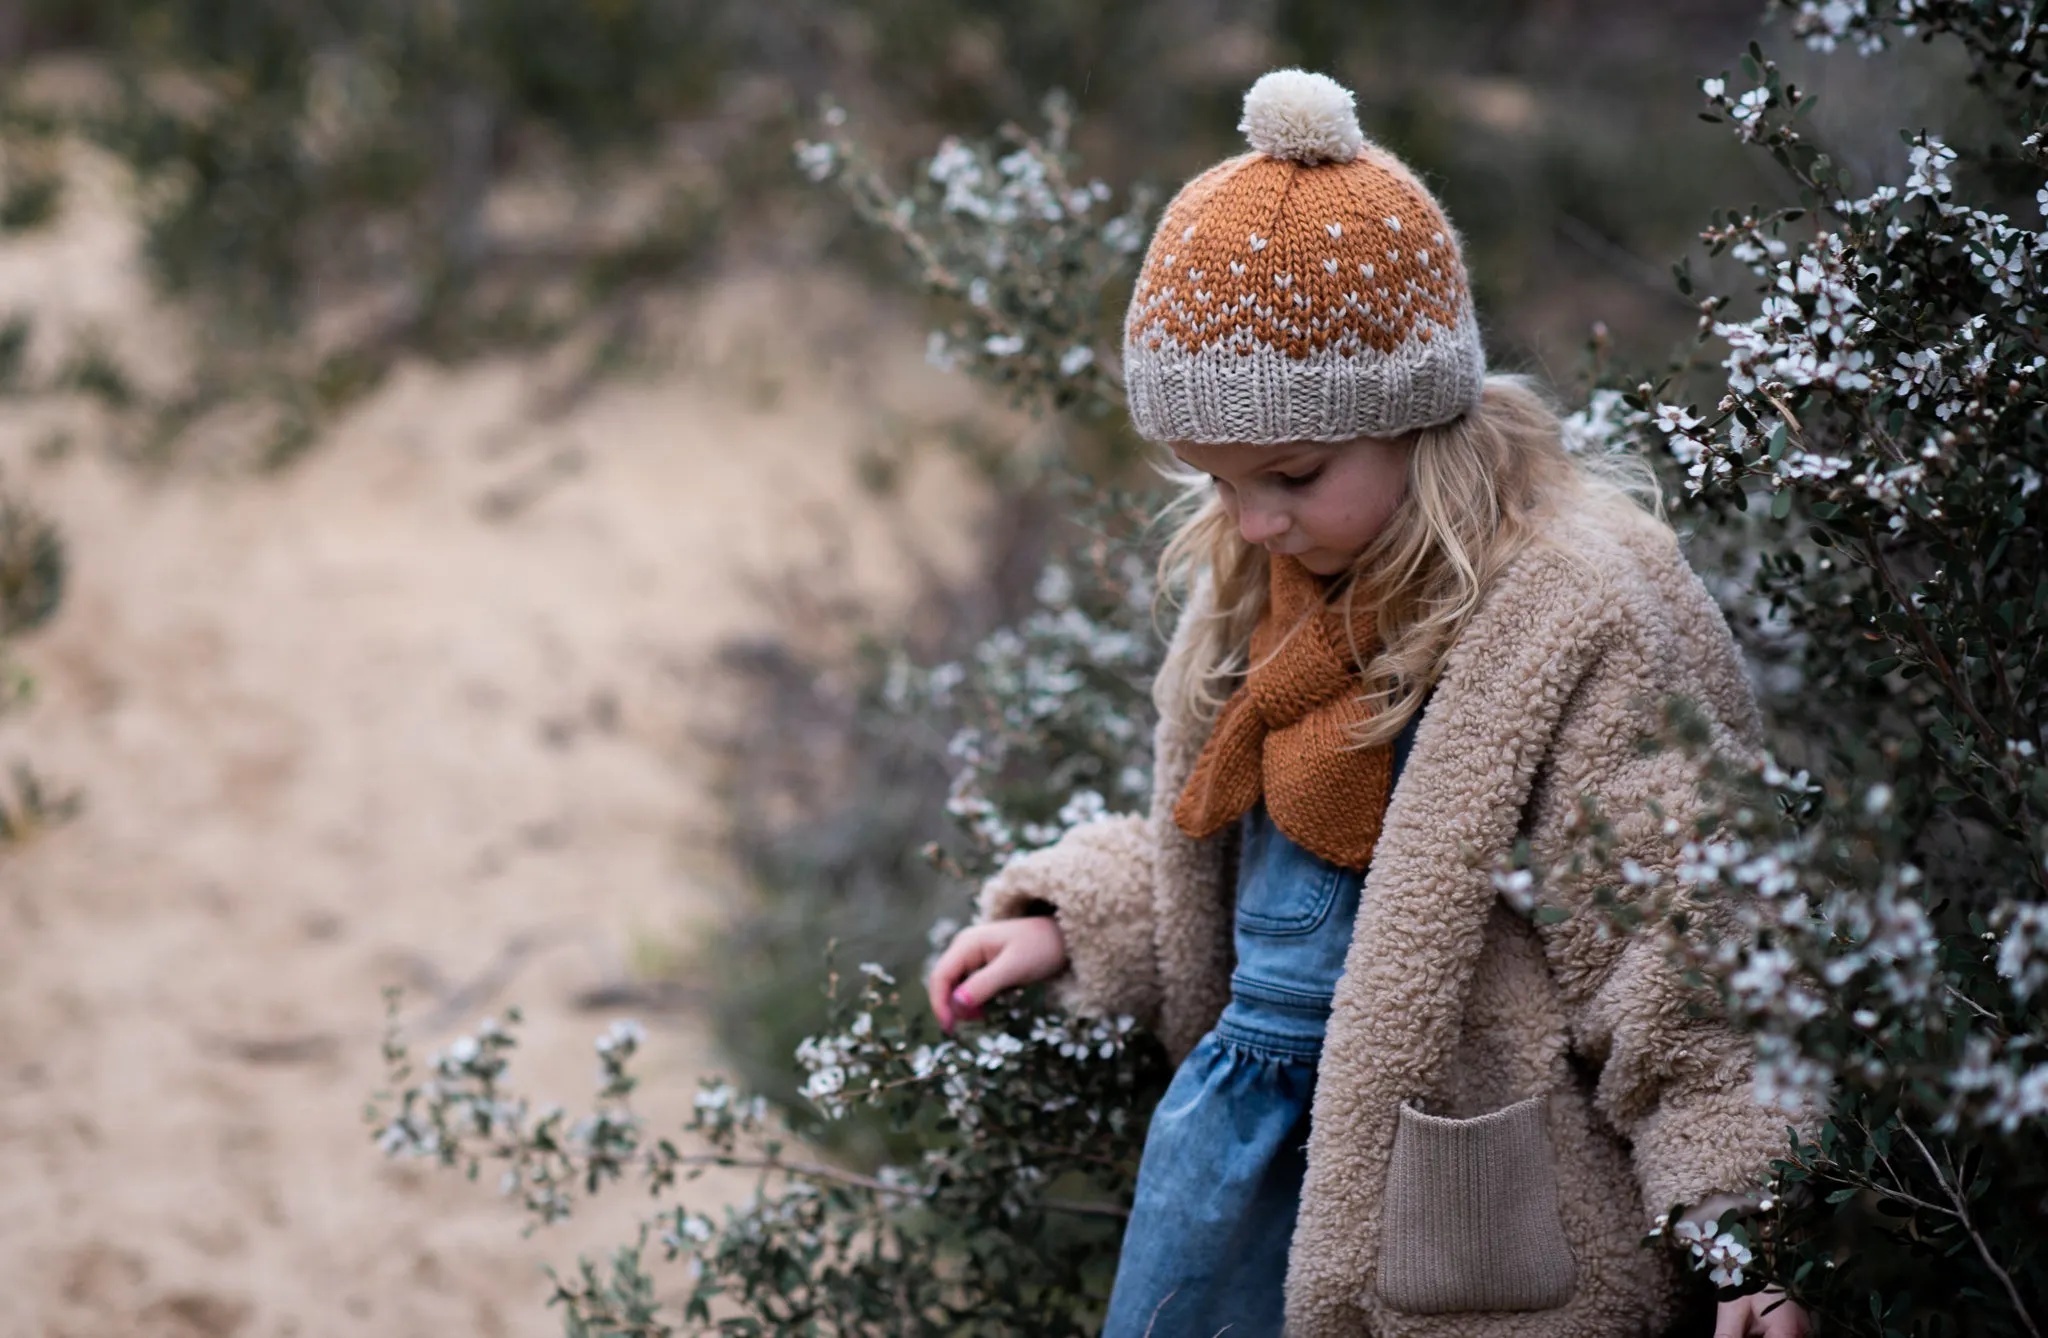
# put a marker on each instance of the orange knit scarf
(1286, 735)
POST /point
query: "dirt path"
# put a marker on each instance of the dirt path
(366, 724)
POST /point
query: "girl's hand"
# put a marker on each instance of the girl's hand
(984, 960)
(1746, 1317)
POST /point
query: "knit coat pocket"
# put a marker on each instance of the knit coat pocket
(1471, 1219)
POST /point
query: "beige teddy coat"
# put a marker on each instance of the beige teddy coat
(1451, 1001)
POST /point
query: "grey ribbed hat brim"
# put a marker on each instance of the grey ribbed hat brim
(1253, 393)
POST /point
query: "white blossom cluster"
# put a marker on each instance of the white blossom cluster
(1606, 425)
(1745, 110)
(2004, 32)
(2023, 951)
(1806, 332)
(1015, 186)
(1817, 334)
(1012, 1093)
(1831, 959)
(461, 1091)
(1816, 961)
(838, 1064)
(1719, 1253)
(1052, 706)
(1000, 230)
(1827, 23)
(2005, 1093)
(459, 1114)
(863, 1063)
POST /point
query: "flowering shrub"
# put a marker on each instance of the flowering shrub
(1054, 711)
(32, 567)
(1020, 249)
(1028, 1125)
(1880, 910)
(1865, 458)
(1024, 1129)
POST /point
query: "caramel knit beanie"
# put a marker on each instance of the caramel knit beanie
(1310, 290)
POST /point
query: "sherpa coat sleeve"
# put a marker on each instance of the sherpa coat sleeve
(1675, 1079)
(1101, 879)
(1097, 882)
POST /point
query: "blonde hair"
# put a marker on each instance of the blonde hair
(1479, 491)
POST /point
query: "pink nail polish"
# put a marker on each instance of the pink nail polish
(963, 1001)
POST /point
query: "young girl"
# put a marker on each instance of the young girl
(1418, 630)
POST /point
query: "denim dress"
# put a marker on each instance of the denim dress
(1220, 1181)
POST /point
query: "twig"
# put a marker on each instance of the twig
(1962, 1212)
(1791, 419)
(1981, 1010)
(1151, 1323)
(1620, 259)
(507, 499)
(494, 977)
(1950, 676)
(809, 1170)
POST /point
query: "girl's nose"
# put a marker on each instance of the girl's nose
(1261, 525)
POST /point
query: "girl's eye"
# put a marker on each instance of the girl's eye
(1301, 480)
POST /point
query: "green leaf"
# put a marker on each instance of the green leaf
(1879, 668)
(1781, 504)
(1842, 1195)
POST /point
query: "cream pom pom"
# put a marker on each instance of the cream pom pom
(1309, 118)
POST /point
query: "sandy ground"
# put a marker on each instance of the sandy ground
(360, 725)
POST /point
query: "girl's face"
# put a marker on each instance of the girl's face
(1319, 502)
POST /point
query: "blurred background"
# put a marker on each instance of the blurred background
(468, 486)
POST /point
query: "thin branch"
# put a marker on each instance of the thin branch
(1950, 677)
(1620, 259)
(1962, 1211)
(1981, 1010)
(833, 1175)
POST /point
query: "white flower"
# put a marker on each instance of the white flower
(1084, 807)
(1076, 358)
(816, 161)
(1672, 419)
(1929, 160)
(1003, 345)
(2023, 952)
(624, 1034)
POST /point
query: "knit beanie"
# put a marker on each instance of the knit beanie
(1310, 290)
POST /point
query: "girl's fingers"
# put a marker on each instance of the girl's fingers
(1031, 950)
(1002, 971)
(983, 961)
(1731, 1319)
(967, 952)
